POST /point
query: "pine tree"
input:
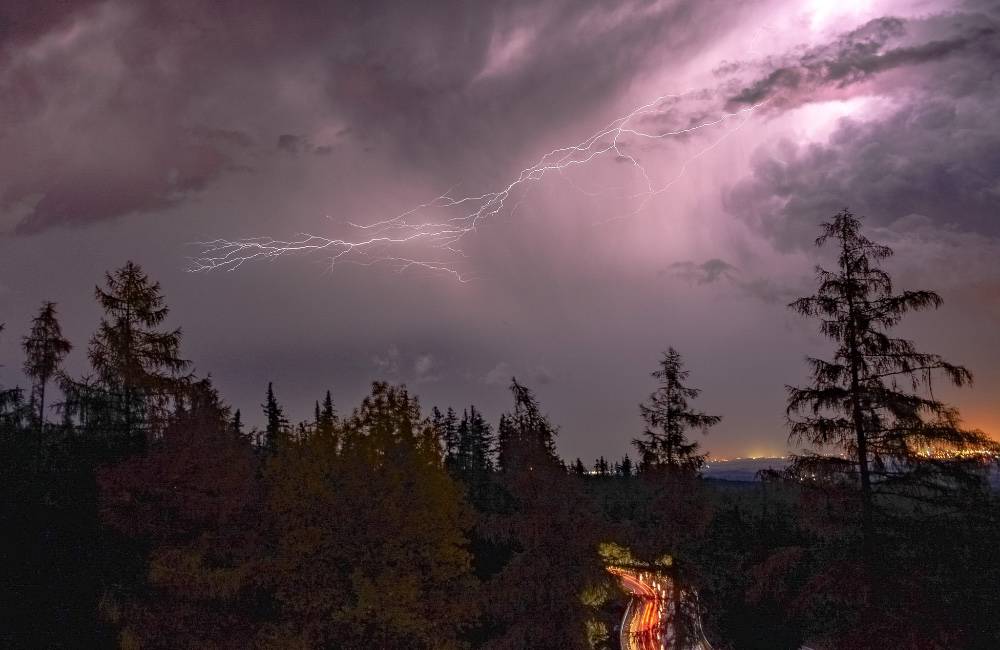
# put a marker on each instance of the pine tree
(327, 420)
(668, 417)
(446, 426)
(236, 424)
(44, 349)
(437, 422)
(200, 403)
(137, 366)
(471, 460)
(578, 468)
(277, 424)
(526, 437)
(626, 466)
(463, 446)
(479, 444)
(505, 441)
(873, 399)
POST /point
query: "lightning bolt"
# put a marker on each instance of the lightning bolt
(439, 240)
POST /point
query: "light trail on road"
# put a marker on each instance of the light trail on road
(642, 625)
(646, 624)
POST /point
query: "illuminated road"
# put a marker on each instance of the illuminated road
(644, 626)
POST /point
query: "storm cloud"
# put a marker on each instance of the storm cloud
(933, 149)
(110, 107)
(862, 55)
(130, 129)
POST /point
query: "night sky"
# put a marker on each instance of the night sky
(130, 129)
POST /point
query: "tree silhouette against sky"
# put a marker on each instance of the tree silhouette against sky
(668, 417)
(873, 401)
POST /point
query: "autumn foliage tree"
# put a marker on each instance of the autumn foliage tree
(369, 539)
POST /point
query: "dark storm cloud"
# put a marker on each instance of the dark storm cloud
(26, 21)
(93, 127)
(108, 188)
(291, 143)
(479, 74)
(704, 273)
(859, 56)
(935, 151)
(109, 106)
(712, 271)
(296, 144)
(928, 158)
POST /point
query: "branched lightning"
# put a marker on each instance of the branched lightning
(388, 241)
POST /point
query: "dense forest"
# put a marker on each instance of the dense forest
(139, 511)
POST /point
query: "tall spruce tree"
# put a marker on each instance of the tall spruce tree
(873, 400)
(626, 466)
(45, 347)
(138, 366)
(236, 424)
(463, 447)
(478, 442)
(327, 419)
(446, 426)
(668, 417)
(276, 428)
(472, 455)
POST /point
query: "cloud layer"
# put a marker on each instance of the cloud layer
(933, 149)
(130, 128)
(115, 108)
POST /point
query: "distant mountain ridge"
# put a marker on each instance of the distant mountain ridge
(745, 469)
(742, 469)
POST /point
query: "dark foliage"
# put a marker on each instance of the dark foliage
(149, 518)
